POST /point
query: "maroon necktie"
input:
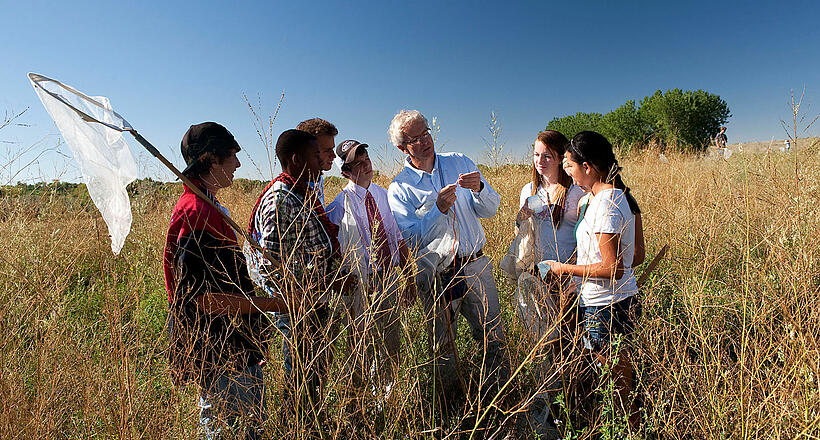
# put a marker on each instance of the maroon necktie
(378, 234)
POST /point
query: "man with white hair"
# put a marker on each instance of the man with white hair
(437, 200)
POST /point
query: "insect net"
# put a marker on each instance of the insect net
(93, 133)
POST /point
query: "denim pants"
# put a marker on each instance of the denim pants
(233, 401)
(603, 323)
(306, 354)
(282, 322)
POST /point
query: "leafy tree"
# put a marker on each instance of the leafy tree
(570, 125)
(688, 118)
(624, 126)
(684, 118)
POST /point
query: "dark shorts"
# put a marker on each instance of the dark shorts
(602, 324)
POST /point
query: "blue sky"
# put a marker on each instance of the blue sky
(166, 65)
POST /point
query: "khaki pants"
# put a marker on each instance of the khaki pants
(374, 330)
(481, 309)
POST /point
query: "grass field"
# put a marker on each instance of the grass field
(727, 347)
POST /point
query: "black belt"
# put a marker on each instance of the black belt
(463, 261)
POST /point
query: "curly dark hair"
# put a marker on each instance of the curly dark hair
(318, 127)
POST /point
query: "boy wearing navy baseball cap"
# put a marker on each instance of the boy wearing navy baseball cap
(375, 252)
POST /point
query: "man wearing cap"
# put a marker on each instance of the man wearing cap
(375, 252)
(290, 223)
(437, 200)
(214, 320)
(325, 133)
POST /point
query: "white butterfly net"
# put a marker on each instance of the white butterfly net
(93, 132)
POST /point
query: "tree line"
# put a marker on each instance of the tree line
(686, 120)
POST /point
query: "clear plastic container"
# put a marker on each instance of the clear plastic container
(543, 268)
(535, 203)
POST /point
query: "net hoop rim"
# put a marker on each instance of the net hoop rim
(36, 78)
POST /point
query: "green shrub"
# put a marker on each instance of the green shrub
(624, 126)
(683, 119)
(572, 124)
(688, 119)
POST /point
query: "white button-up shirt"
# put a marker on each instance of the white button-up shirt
(413, 193)
(357, 194)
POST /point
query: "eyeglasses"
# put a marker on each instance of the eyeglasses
(417, 139)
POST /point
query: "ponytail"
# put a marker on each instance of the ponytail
(617, 182)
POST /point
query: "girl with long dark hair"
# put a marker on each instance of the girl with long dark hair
(610, 243)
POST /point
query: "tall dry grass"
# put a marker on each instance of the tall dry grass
(727, 347)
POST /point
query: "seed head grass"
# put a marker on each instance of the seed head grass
(727, 346)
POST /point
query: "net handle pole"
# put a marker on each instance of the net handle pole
(154, 152)
(652, 265)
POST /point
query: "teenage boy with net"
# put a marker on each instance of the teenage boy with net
(215, 323)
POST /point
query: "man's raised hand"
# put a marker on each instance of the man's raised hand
(446, 198)
(471, 181)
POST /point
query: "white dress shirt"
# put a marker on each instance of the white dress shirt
(413, 193)
(357, 194)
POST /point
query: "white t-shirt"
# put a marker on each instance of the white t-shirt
(608, 213)
(555, 244)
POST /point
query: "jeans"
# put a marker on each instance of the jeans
(233, 400)
(307, 355)
(283, 325)
(601, 322)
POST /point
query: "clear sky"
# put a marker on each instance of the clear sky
(166, 65)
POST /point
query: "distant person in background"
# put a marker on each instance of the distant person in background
(720, 141)
(325, 133)
(215, 322)
(551, 201)
(610, 243)
(437, 200)
(787, 145)
(374, 250)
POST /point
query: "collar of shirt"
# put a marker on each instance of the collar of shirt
(319, 188)
(420, 173)
(359, 191)
(419, 191)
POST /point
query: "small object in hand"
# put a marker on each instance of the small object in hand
(535, 203)
(543, 268)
